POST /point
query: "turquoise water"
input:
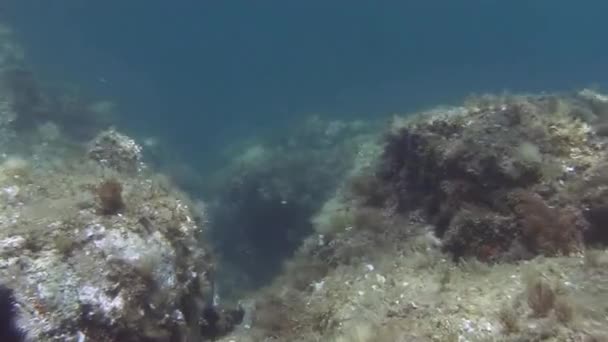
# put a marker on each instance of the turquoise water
(199, 74)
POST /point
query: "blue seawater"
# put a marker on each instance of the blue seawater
(200, 74)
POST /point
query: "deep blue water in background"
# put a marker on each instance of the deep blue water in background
(200, 73)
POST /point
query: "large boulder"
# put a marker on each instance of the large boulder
(91, 251)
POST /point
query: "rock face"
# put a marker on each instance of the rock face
(423, 241)
(93, 245)
(499, 177)
(116, 151)
(140, 272)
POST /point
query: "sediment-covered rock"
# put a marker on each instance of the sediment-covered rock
(116, 151)
(497, 174)
(425, 239)
(93, 252)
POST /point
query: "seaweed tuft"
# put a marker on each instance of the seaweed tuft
(109, 194)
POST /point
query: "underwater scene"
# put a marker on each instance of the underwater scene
(303, 171)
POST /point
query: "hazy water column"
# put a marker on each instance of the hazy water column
(201, 73)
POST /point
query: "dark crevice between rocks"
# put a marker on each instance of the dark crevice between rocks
(258, 232)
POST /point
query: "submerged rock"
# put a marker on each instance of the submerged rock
(94, 246)
(497, 174)
(116, 151)
(133, 274)
(419, 243)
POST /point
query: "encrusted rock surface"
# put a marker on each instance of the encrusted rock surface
(497, 174)
(138, 274)
(94, 246)
(463, 224)
(116, 151)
